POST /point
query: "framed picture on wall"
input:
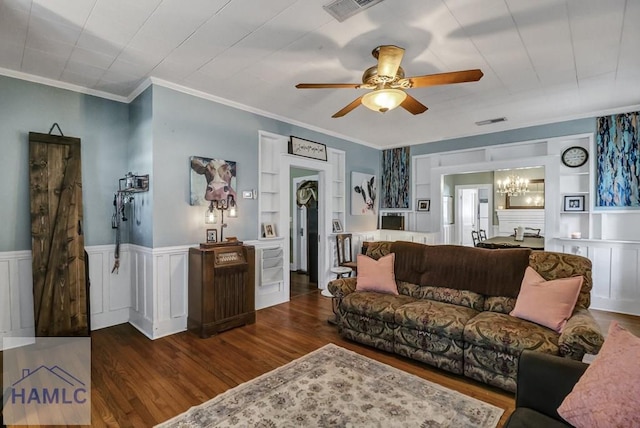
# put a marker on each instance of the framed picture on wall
(423, 205)
(212, 235)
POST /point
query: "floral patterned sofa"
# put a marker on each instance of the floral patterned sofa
(453, 309)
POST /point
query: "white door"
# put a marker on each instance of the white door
(467, 214)
(299, 227)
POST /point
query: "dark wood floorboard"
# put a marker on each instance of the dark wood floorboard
(139, 382)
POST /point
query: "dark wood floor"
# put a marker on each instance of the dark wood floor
(139, 382)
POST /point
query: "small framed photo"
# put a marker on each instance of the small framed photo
(212, 235)
(269, 230)
(337, 226)
(574, 203)
(423, 205)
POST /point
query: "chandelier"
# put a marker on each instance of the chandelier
(513, 185)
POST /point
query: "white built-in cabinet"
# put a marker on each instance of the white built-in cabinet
(271, 146)
(338, 185)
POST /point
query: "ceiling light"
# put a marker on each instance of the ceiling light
(383, 100)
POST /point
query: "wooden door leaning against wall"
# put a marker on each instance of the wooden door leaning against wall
(59, 276)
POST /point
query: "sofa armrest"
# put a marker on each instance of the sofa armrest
(544, 381)
(341, 287)
(581, 335)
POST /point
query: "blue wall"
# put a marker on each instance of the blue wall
(103, 127)
(156, 134)
(184, 126)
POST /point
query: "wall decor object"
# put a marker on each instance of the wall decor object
(618, 161)
(574, 157)
(337, 226)
(308, 149)
(212, 180)
(396, 178)
(363, 194)
(423, 205)
(60, 287)
(269, 230)
(574, 203)
(212, 235)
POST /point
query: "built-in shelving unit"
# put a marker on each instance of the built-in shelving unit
(338, 185)
(269, 151)
(575, 184)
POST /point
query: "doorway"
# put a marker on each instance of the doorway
(473, 211)
(304, 227)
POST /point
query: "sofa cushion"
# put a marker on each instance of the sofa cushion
(374, 305)
(551, 265)
(500, 304)
(444, 319)
(487, 272)
(608, 393)
(548, 303)
(465, 298)
(376, 275)
(501, 332)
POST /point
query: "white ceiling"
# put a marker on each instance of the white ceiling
(543, 61)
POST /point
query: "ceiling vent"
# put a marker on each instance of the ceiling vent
(491, 121)
(343, 9)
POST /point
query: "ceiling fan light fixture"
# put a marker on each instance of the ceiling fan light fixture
(383, 100)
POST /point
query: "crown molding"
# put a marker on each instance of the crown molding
(61, 85)
(249, 109)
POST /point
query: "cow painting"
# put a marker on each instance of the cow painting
(363, 195)
(212, 180)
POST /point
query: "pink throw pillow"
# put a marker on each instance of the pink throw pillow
(376, 275)
(548, 303)
(608, 393)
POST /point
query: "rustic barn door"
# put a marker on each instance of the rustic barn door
(59, 277)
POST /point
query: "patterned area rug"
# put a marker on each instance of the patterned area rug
(336, 387)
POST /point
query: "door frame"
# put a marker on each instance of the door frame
(298, 258)
(458, 212)
(325, 172)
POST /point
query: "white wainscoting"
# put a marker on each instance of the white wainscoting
(159, 282)
(616, 278)
(149, 290)
(16, 295)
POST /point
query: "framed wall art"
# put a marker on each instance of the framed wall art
(363, 194)
(212, 180)
(423, 205)
(396, 178)
(308, 149)
(618, 161)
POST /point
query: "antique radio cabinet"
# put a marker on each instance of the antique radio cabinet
(221, 288)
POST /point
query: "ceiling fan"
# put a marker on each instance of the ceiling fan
(388, 84)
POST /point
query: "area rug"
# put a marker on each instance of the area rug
(335, 387)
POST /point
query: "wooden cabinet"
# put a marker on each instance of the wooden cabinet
(221, 288)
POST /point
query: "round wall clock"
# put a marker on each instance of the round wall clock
(575, 156)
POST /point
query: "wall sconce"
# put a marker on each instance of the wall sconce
(223, 205)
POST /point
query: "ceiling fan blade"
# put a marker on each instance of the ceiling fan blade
(327, 85)
(355, 103)
(413, 106)
(445, 78)
(389, 58)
